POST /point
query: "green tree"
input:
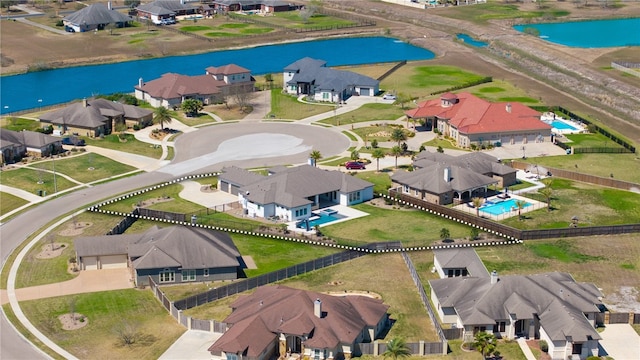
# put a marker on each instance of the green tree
(8, 4)
(355, 155)
(378, 154)
(547, 192)
(315, 155)
(374, 143)
(520, 205)
(268, 78)
(474, 233)
(398, 135)
(477, 202)
(191, 107)
(161, 115)
(485, 343)
(445, 234)
(440, 149)
(403, 99)
(397, 349)
(395, 152)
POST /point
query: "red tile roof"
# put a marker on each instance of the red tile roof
(171, 86)
(472, 115)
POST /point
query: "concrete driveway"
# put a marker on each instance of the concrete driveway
(620, 342)
(193, 345)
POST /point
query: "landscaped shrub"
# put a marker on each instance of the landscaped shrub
(543, 346)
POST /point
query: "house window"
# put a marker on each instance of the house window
(232, 356)
(405, 189)
(316, 354)
(205, 272)
(501, 326)
(325, 96)
(167, 275)
(189, 275)
(577, 348)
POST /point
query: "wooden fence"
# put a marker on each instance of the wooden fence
(124, 224)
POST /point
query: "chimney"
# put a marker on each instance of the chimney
(447, 174)
(109, 6)
(317, 308)
(494, 277)
(84, 102)
(508, 107)
(140, 82)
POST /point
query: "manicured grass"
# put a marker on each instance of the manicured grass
(234, 26)
(27, 179)
(596, 164)
(412, 227)
(444, 143)
(591, 140)
(482, 13)
(285, 106)
(255, 31)
(592, 205)
(491, 89)
(292, 19)
(10, 202)
(381, 181)
(19, 124)
(501, 91)
(220, 34)
(130, 145)
(380, 132)
(367, 112)
(30, 337)
(194, 28)
(561, 250)
(105, 313)
(520, 99)
(86, 167)
(165, 198)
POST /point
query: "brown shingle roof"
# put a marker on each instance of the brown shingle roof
(230, 69)
(171, 86)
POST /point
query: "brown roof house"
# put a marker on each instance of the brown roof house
(444, 179)
(14, 145)
(170, 90)
(262, 6)
(95, 117)
(473, 121)
(175, 254)
(550, 306)
(276, 321)
(292, 193)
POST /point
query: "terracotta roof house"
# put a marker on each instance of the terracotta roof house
(17, 144)
(551, 307)
(474, 121)
(95, 117)
(262, 6)
(292, 193)
(175, 254)
(94, 17)
(311, 77)
(170, 90)
(159, 10)
(282, 321)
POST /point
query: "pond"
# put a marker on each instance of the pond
(32, 90)
(471, 41)
(590, 34)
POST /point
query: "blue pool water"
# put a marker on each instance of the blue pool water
(590, 34)
(469, 40)
(24, 91)
(501, 207)
(322, 219)
(562, 126)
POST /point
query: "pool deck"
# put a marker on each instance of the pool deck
(348, 213)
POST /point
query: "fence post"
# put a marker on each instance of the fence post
(421, 350)
(375, 348)
(212, 326)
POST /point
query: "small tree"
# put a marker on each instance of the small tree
(397, 349)
(269, 79)
(520, 205)
(378, 154)
(127, 332)
(403, 99)
(72, 308)
(422, 148)
(355, 155)
(161, 115)
(374, 143)
(485, 343)
(477, 202)
(191, 107)
(474, 233)
(398, 135)
(110, 27)
(395, 152)
(440, 149)
(445, 234)
(315, 155)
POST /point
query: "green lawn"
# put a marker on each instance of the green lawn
(165, 198)
(106, 312)
(381, 181)
(130, 145)
(494, 10)
(285, 106)
(292, 19)
(367, 112)
(412, 227)
(27, 179)
(591, 140)
(86, 167)
(419, 79)
(19, 124)
(10, 202)
(444, 143)
(379, 132)
(596, 164)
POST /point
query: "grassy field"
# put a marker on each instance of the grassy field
(86, 167)
(27, 179)
(596, 164)
(292, 19)
(222, 27)
(592, 140)
(165, 198)
(98, 339)
(367, 112)
(19, 124)
(592, 205)
(444, 143)
(10, 202)
(495, 10)
(288, 107)
(379, 132)
(130, 145)
(502, 91)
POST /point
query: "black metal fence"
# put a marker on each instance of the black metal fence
(124, 224)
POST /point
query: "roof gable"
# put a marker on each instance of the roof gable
(95, 14)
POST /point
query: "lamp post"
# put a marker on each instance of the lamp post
(6, 109)
(39, 104)
(55, 184)
(523, 153)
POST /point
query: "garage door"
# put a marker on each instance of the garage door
(90, 262)
(113, 261)
(365, 91)
(224, 186)
(234, 190)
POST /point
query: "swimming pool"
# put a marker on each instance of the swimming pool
(561, 125)
(323, 218)
(501, 207)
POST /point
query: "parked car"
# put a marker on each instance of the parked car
(388, 97)
(354, 165)
(73, 141)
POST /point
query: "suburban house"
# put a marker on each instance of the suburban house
(551, 307)
(170, 255)
(171, 90)
(292, 193)
(311, 77)
(456, 262)
(94, 17)
(95, 117)
(15, 145)
(444, 179)
(262, 6)
(159, 10)
(279, 321)
(472, 121)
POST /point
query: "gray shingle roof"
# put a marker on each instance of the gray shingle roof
(462, 258)
(238, 176)
(308, 70)
(431, 179)
(93, 115)
(479, 162)
(30, 139)
(96, 14)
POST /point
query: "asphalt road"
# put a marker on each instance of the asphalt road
(204, 150)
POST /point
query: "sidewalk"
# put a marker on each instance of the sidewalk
(525, 349)
(144, 163)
